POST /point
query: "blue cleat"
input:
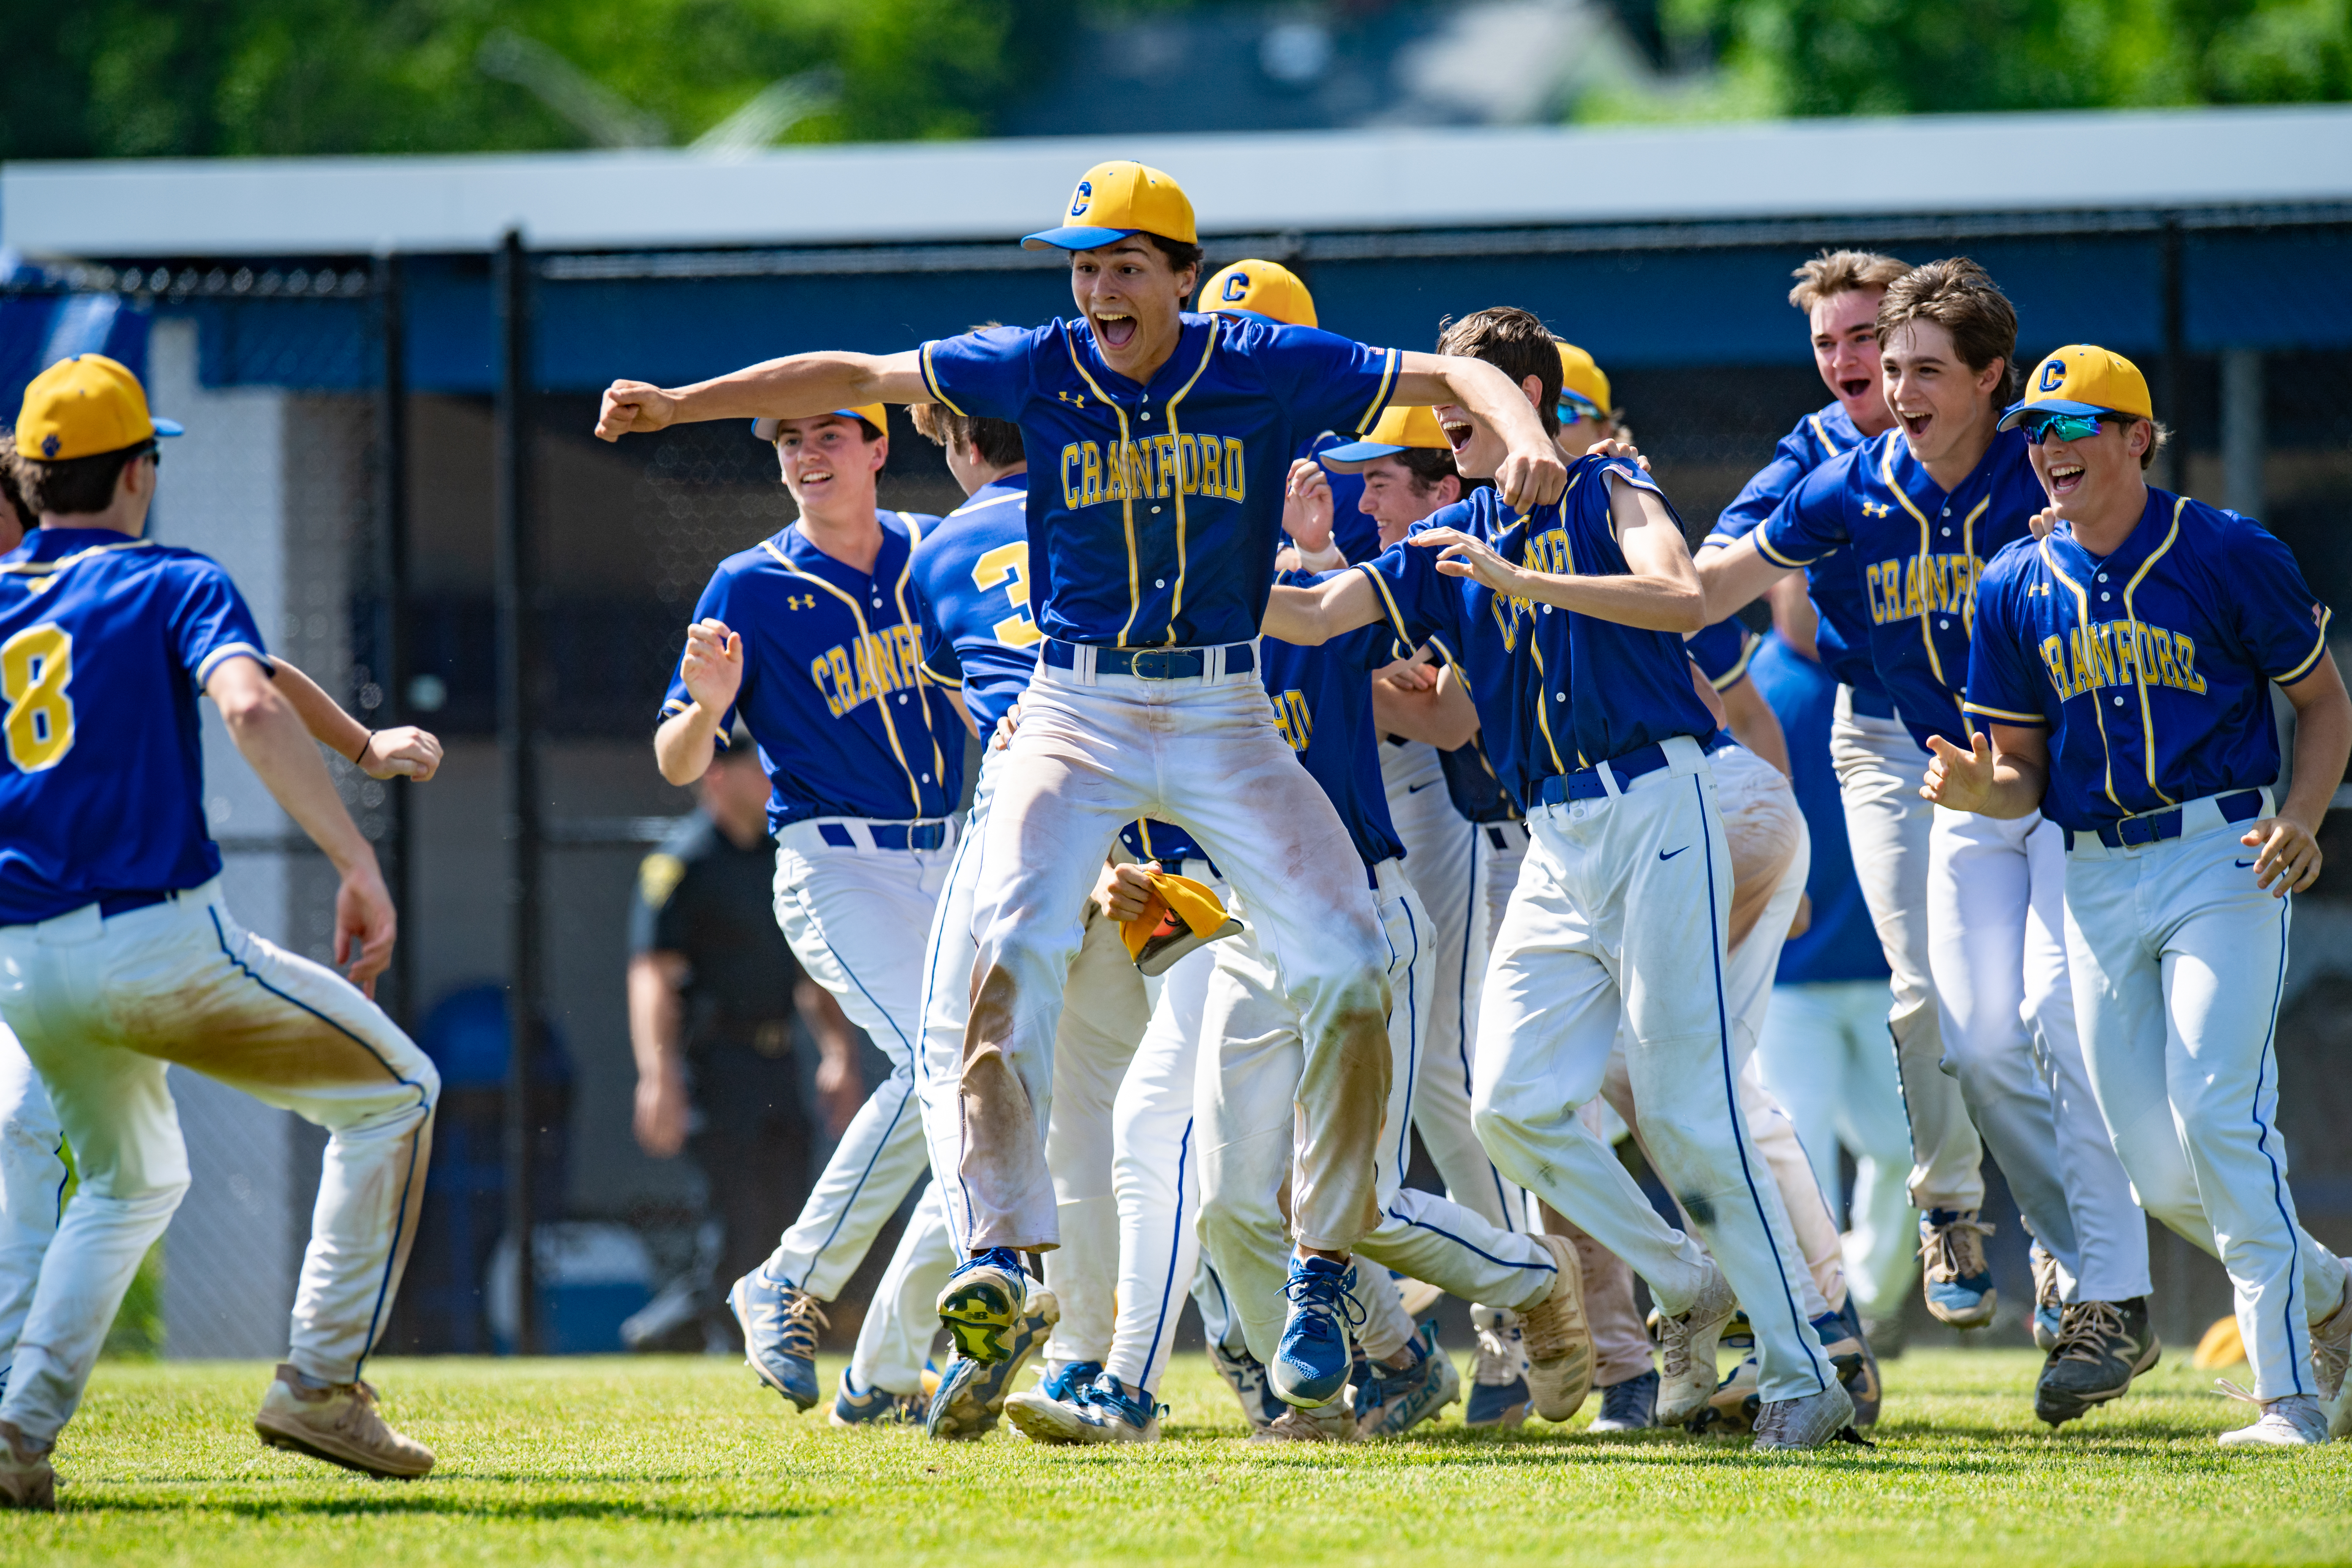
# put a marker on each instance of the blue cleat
(1310, 1366)
(1245, 1375)
(1392, 1402)
(1499, 1371)
(779, 1321)
(1103, 1410)
(852, 1407)
(971, 1393)
(1628, 1406)
(1065, 1381)
(1958, 1284)
(2049, 1306)
(983, 1304)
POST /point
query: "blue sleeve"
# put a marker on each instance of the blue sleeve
(1419, 601)
(2006, 681)
(1762, 493)
(942, 663)
(1722, 651)
(1324, 380)
(210, 622)
(1809, 521)
(2280, 622)
(985, 374)
(713, 605)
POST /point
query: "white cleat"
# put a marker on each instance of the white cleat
(1332, 1422)
(1557, 1339)
(1811, 1421)
(339, 1423)
(1687, 1379)
(2293, 1422)
(26, 1480)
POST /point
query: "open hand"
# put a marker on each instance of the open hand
(1466, 555)
(1306, 507)
(1960, 780)
(1615, 448)
(713, 666)
(364, 925)
(2286, 852)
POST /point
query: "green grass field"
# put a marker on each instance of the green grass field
(688, 1461)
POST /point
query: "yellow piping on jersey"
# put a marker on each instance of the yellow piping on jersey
(1829, 448)
(46, 570)
(2083, 615)
(1176, 436)
(1928, 576)
(910, 617)
(932, 381)
(1749, 643)
(1126, 492)
(858, 612)
(1380, 398)
(2317, 651)
(2139, 653)
(1543, 715)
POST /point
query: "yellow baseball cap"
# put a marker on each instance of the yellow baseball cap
(1583, 387)
(84, 407)
(1398, 429)
(875, 413)
(2083, 379)
(1262, 291)
(1117, 199)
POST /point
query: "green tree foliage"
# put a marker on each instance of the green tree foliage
(213, 78)
(1904, 57)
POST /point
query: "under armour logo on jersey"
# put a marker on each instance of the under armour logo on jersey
(1876, 509)
(800, 601)
(1074, 399)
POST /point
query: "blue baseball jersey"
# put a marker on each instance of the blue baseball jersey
(1473, 785)
(1323, 705)
(1918, 550)
(105, 644)
(972, 579)
(2150, 667)
(1841, 944)
(1155, 511)
(1722, 651)
(1163, 841)
(1521, 661)
(1831, 582)
(833, 689)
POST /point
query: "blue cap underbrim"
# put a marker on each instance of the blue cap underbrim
(1357, 452)
(1260, 316)
(1067, 238)
(2017, 411)
(166, 426)
(764, 429)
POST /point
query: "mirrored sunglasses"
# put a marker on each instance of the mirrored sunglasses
(2039, 428)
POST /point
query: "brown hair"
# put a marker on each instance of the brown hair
(74, 487)
(1515, 343)
(9, 491)
(998, 440)
(1960, 296)
(1835, 273)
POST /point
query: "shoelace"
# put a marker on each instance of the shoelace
(1497, 1359)
(1673, 1343)
(2086, 1329)
(1956, 1250)
(1328, 1291)
(801, 1317)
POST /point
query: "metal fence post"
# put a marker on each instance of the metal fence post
(388, 567)
(516, 572)
(2175, 408)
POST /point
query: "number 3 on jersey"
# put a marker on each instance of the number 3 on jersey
(1007, 566)
(35, 667)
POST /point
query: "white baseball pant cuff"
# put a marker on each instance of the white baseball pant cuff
(99, 1006)
(32, 1186)
(1202, 753)
(1880, 768)
(1996, 926)
(2178, 962)
(903, 1320)
(857, 918)
(1620, 899)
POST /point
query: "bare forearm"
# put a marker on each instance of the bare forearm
(657, 1012)
(799, 385)
(1442, 716)
(685, 744)
(2322, 747)
(2017, 789)
(1311, 618)
(1755, 726)
(272, 738)
(1732, 579)
(827, 1023)
(1653, 603)
(321, 714)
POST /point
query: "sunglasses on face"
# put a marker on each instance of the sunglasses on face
(1574, 410)
(2041, 428)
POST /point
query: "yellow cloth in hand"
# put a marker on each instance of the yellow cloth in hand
(1188, 900)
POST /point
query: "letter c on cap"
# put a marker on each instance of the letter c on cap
(1085, 193)
(2053, 375)
(1236, 285)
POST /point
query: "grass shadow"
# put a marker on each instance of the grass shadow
(429, 1504)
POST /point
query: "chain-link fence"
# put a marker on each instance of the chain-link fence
(354, 492)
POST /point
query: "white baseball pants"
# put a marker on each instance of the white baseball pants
(857, 917)
(1250, 1069)
(1093, 752)
(902, 1322)
(1880, 768)
(1620, 915)
(2177, 962)
(1824, 1054)
(1996, 941)
(32, 1186)
(102, 1007)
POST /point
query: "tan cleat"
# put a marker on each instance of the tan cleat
(1332, 1422)
(26, 1480)
(1687, 1378)
(338, 1424)
(1556, 1339)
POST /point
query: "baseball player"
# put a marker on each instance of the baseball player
(1924, 506)
(1877, 762)
(813, 638)
(118, 955)
(1159, 443)
(1626, 888)
(2124, 665)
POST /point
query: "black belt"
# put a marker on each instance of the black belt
(112, 904)
(1585, 783)
(888, 835)
(1152, 663)
(1876, 703)
(2243, 805)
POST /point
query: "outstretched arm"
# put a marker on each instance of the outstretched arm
(793, 387)
(401, 751)
(1736, 577)
(270, 734)
(1312, 616)
(1533, 474)
(1661, 593)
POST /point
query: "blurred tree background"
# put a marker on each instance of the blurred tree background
(213, 77)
